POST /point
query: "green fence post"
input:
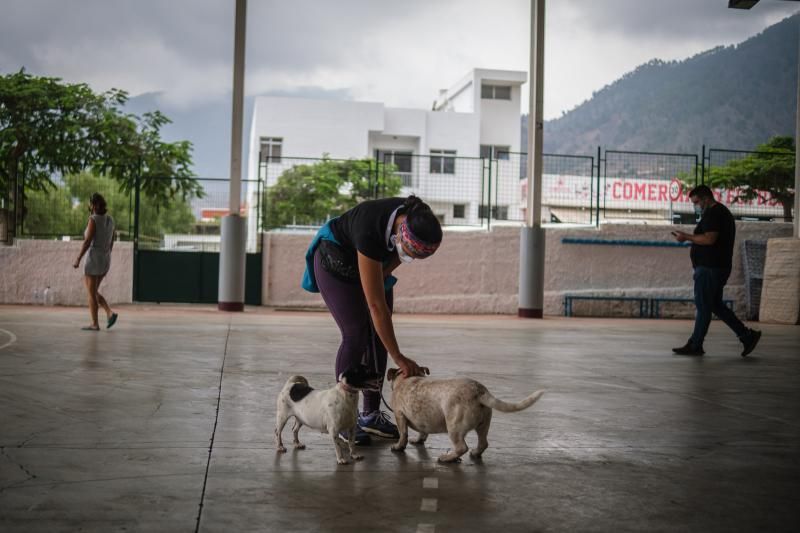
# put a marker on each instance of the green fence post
(702, 169)
(597, 217)
(489, 199)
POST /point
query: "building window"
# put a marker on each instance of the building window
(496, 92)
(459, 210)
(495, 152)
(499, 212)
(443, 161)
(400, 159)
(271, 148)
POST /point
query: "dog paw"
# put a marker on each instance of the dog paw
(342, 461)
(417, 442)
(448, 459)
(397, 448)
(356, 457)
(281, 449)
(299, 446)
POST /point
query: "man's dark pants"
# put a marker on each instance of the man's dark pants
(708, 285)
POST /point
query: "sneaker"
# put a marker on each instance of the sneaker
(377, 424)
(688, 349)
(362, 437)
(750, 340)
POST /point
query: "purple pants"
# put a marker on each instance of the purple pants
(360, 343)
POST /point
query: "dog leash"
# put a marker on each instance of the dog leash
(374, 357)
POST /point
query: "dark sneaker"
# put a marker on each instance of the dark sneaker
(377, 424)
(688, 349)
(750, 340)
(362, 437)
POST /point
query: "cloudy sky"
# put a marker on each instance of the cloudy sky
(399, 53)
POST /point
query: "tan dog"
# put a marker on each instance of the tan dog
(453, 406)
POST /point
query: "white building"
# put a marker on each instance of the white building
(437, 152)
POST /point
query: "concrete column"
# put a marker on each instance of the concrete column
(232, 264)
(796, 219)
(532, 241)
(234, 231)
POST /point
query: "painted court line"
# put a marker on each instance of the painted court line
(428, 504)
(430, 483)
(12, 338)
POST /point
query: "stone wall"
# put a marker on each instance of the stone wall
(33, 265)
(780, 296)
(478, 272)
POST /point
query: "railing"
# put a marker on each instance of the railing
(613, 186)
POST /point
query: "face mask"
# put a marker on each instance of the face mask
(698, 210)
(401, 253)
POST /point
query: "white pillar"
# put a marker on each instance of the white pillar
(532, 236)
(234, 230)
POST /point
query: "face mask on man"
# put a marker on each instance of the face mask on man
(698, 210)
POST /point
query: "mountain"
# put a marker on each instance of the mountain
(733, 97)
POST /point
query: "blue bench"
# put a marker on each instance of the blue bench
(644, 303)
(655, 310)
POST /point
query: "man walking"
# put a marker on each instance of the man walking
(712, 259)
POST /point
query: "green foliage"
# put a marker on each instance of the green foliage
(313, 193)
(49, 128)
(64, 210)
(767, 173)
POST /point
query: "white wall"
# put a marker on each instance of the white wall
(478, 272)
(31, 265)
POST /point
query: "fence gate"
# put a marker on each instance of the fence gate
(176, 248)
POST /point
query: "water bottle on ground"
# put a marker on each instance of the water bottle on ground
(49, 296)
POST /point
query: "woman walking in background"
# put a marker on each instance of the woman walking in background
(98, 241)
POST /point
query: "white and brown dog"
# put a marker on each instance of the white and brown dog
(453, 406)
(330, 411)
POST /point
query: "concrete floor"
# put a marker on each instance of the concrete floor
(164, 423)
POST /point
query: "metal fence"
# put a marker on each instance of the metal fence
(62, 211)
(647, 186)
(194, 224)
(292, 192)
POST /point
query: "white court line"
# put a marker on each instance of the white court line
(428, 504)
(426, 528)
(430, 483)
(10, 342)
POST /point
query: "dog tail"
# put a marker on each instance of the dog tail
(490, 401)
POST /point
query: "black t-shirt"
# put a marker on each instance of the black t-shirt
(363, 228)
(719, 255)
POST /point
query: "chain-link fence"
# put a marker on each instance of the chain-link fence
(568, 183)
(61, 211)
(754, 185)
(292, 192)
(194, 224)
(647, 186)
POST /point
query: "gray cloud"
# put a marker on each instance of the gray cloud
(398, 53)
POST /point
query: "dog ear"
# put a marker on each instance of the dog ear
(391, 374)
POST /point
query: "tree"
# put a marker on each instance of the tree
(311, 194)
(64, 209)
(767, 173)
(50, 129)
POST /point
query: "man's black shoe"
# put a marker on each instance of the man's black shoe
(750, 341)
(688, 349)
